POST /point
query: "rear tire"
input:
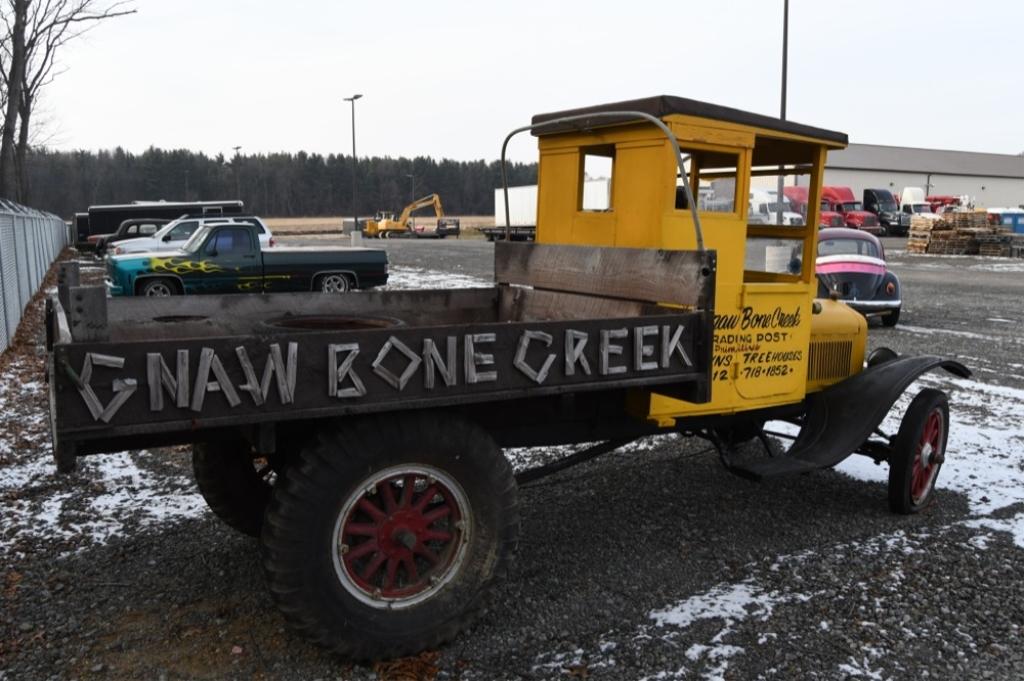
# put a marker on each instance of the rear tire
(918, 452)
(892, 318)
(334, 283)
(235, 488)
(365, 570)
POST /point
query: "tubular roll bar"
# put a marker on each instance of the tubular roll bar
(635, 115)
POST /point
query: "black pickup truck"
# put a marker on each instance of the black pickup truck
(227, 258)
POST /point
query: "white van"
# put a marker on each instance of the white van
(764, 209)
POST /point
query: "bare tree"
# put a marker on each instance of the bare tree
(44, 26)
(15, 17)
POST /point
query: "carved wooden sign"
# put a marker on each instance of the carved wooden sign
(291, 375)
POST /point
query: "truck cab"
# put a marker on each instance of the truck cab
(773, 343)
(797, 196)
(841, 200)
(882, 204)
(913, 204)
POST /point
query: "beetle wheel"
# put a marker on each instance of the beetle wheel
(918, 451)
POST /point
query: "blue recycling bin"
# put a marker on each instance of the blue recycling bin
(1015, 221)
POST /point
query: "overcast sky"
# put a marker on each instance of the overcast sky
(449, 79)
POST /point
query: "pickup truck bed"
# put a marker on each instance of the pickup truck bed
(128, 373)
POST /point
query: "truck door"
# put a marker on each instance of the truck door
(233, 262)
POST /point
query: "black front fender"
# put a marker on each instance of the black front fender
(841, 418)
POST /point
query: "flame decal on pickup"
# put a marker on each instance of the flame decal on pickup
(182, 266)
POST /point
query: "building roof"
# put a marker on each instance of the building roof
(935, 161)
(665, 105)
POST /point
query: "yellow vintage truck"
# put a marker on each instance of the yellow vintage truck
(360, 437)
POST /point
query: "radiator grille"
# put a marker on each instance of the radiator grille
(829, 359)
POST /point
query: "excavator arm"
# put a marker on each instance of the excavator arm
(428, 200)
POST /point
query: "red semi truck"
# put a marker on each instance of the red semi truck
(798, 200)
(841, 200)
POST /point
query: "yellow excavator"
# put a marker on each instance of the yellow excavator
(385, 226)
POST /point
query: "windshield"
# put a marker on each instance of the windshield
(852, 205)
(887, 206)
(196, 240)
(921, 208)
(848, 247)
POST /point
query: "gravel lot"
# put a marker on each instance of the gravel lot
(651, 563)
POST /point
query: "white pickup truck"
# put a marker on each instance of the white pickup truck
(173, 235)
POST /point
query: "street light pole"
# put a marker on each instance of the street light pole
(785, 64)
(238, 184)
(355, 163)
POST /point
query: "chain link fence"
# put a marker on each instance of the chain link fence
(29, 243)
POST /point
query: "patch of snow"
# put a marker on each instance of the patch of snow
(1014, 526)
(985, 449)
(403, 278)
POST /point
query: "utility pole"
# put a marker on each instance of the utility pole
(785, 64)
(355, 163)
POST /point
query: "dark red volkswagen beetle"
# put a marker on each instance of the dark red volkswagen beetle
(851, 266)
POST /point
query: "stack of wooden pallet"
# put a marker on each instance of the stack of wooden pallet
(996, 244)
(920, 235)
(966, 219)
(948, 241)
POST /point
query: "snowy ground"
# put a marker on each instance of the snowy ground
(756, 592)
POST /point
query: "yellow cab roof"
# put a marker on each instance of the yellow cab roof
(667, 105)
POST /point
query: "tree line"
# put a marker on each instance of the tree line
(278, 185)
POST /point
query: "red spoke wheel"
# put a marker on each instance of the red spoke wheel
(387, 533)
(918, 451)
(401, 535)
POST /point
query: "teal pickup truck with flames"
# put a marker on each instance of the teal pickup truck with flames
(227, 258)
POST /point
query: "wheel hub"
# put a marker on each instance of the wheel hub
(929, 456)
(401, 536)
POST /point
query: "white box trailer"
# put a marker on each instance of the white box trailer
(522, 208)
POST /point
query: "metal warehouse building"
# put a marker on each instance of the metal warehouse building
(992, 180)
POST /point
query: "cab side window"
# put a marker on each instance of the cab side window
(183, 230)
(228, 242)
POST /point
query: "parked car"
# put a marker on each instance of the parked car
(882, 203)
(175, 234)
(841, 200)
(851, 265)
(134, 228)
(227, 257)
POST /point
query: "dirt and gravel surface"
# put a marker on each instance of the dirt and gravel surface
(649, 563)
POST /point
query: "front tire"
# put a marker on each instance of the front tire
(918, 452)
(892, 318)
(158, 288)
(387, 535)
